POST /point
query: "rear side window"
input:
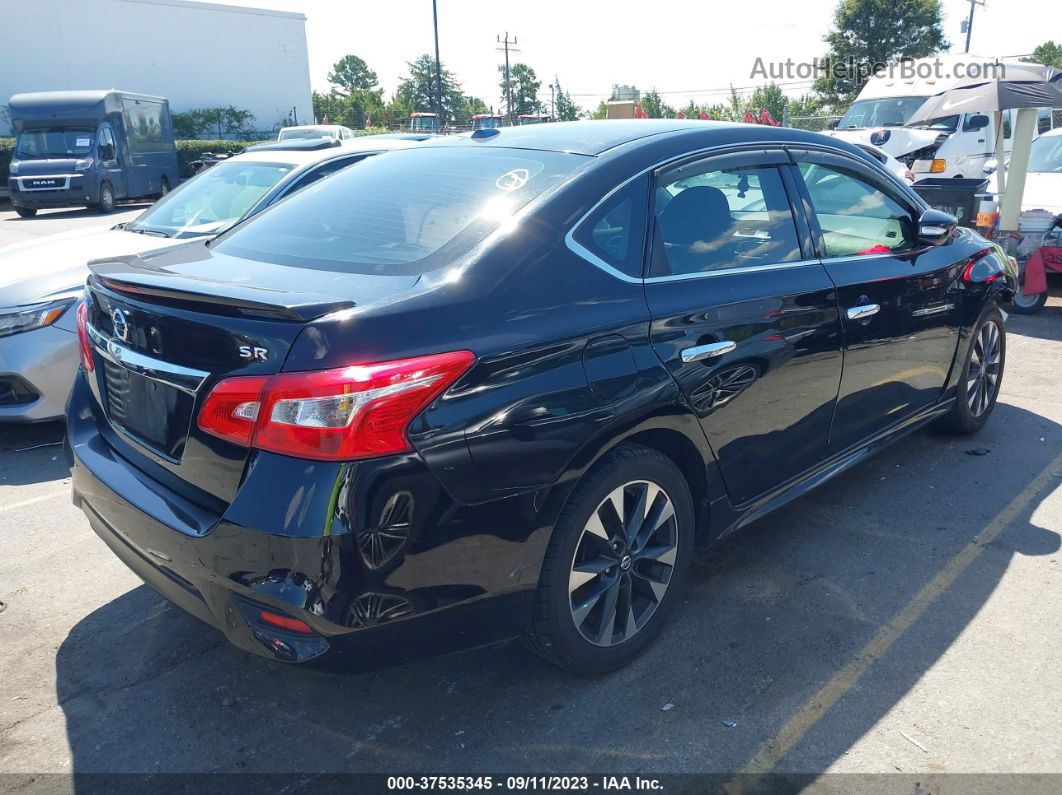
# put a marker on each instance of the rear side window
(615, 231)
(401, 213)
(720, 219)
(855, 216)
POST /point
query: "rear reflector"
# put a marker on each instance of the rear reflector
(84, 345)
(342, 414)
(284, 622)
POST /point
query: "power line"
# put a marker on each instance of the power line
(711, 91)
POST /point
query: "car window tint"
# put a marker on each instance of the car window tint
(855, 216)
(615, 231)
(721, 219)
(400, 213)
(323, 170)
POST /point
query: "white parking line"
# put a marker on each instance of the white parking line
(34, 500)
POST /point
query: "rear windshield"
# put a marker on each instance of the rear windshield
(400, 213)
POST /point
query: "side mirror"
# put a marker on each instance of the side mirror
(934, 227)
(978, 122)
(832, 124)
(991, 166)
(107, 152)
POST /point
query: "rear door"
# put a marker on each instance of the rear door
(744, 317)
(899, 300)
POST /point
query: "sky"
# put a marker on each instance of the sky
(686, 49)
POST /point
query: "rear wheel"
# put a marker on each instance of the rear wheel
(106, 202)
(1024, 304)
(26, 212)
(981, 377)
(616, 564)
(164, 188)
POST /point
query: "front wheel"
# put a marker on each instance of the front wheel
(1024, 304)
(106, 202)
(616, 564)
(26, 212)
(164, 188)
(981, 376)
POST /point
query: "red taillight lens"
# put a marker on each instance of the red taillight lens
(346, 413)
(284, 622)
(231, 408)
(84, 344)
(981, 268)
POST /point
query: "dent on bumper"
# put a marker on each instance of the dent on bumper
(47, 360)
(464, 576)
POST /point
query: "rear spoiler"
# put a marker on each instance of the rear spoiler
(174, 291)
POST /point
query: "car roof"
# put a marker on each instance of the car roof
(299, 158)
(599, 136)
(314, 127)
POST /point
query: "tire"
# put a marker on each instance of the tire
(1023, 304)
(106, 203)
(26, 212)
(571, 628)
(972, 406)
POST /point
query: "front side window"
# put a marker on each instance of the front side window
(55, 142)
(615, 231)
(401, 213)
(855, 216)
(212, 201)
(1046, 155)
(721, 219)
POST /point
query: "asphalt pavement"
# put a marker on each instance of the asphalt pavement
(902, 618)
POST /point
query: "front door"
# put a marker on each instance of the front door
(899, 300)
(744, 318)
(111, 161)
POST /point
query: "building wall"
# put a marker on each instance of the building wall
(194, 54)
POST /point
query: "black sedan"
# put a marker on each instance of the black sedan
(502, 386)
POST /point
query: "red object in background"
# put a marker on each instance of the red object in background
(878, 249)
(680, 115)
(639, 113)
(1041, 261)
(749, 118)
(706, 116)
(767, 118)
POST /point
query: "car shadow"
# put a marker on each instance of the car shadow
(32, 453)
(772, 615)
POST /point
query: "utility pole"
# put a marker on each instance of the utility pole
(969, 22)
(507, 47)
(553, 101)
(438, 65)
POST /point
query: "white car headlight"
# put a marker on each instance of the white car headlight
(27, 318)
(12, 167)
(84, 164)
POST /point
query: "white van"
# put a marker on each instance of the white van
(956, 146)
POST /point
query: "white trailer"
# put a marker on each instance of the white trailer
(197, 55)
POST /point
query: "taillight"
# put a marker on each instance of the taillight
(84, 344)
(981, 268)
(346, 413)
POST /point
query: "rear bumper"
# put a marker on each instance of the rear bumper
(457, 584)
(45, 360)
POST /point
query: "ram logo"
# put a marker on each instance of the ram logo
(253, 353)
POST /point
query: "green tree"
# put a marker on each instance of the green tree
(221, 121)
(868, 34)
(770, 97)
(601, 112)
(524, 85)
(350, 73)
(416, 91)
(1048, 53)
(655, 107)
(564, 108)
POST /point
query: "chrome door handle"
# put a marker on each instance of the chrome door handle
(699, 352)
(862, 312)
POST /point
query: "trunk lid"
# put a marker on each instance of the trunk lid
(166, 327)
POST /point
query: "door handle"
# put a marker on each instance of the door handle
(863, 312)
(700, 352)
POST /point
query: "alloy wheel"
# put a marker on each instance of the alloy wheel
(982, 380)
(623, 563)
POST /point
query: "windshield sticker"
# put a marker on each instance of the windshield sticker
(513, 180)
(84, 142)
